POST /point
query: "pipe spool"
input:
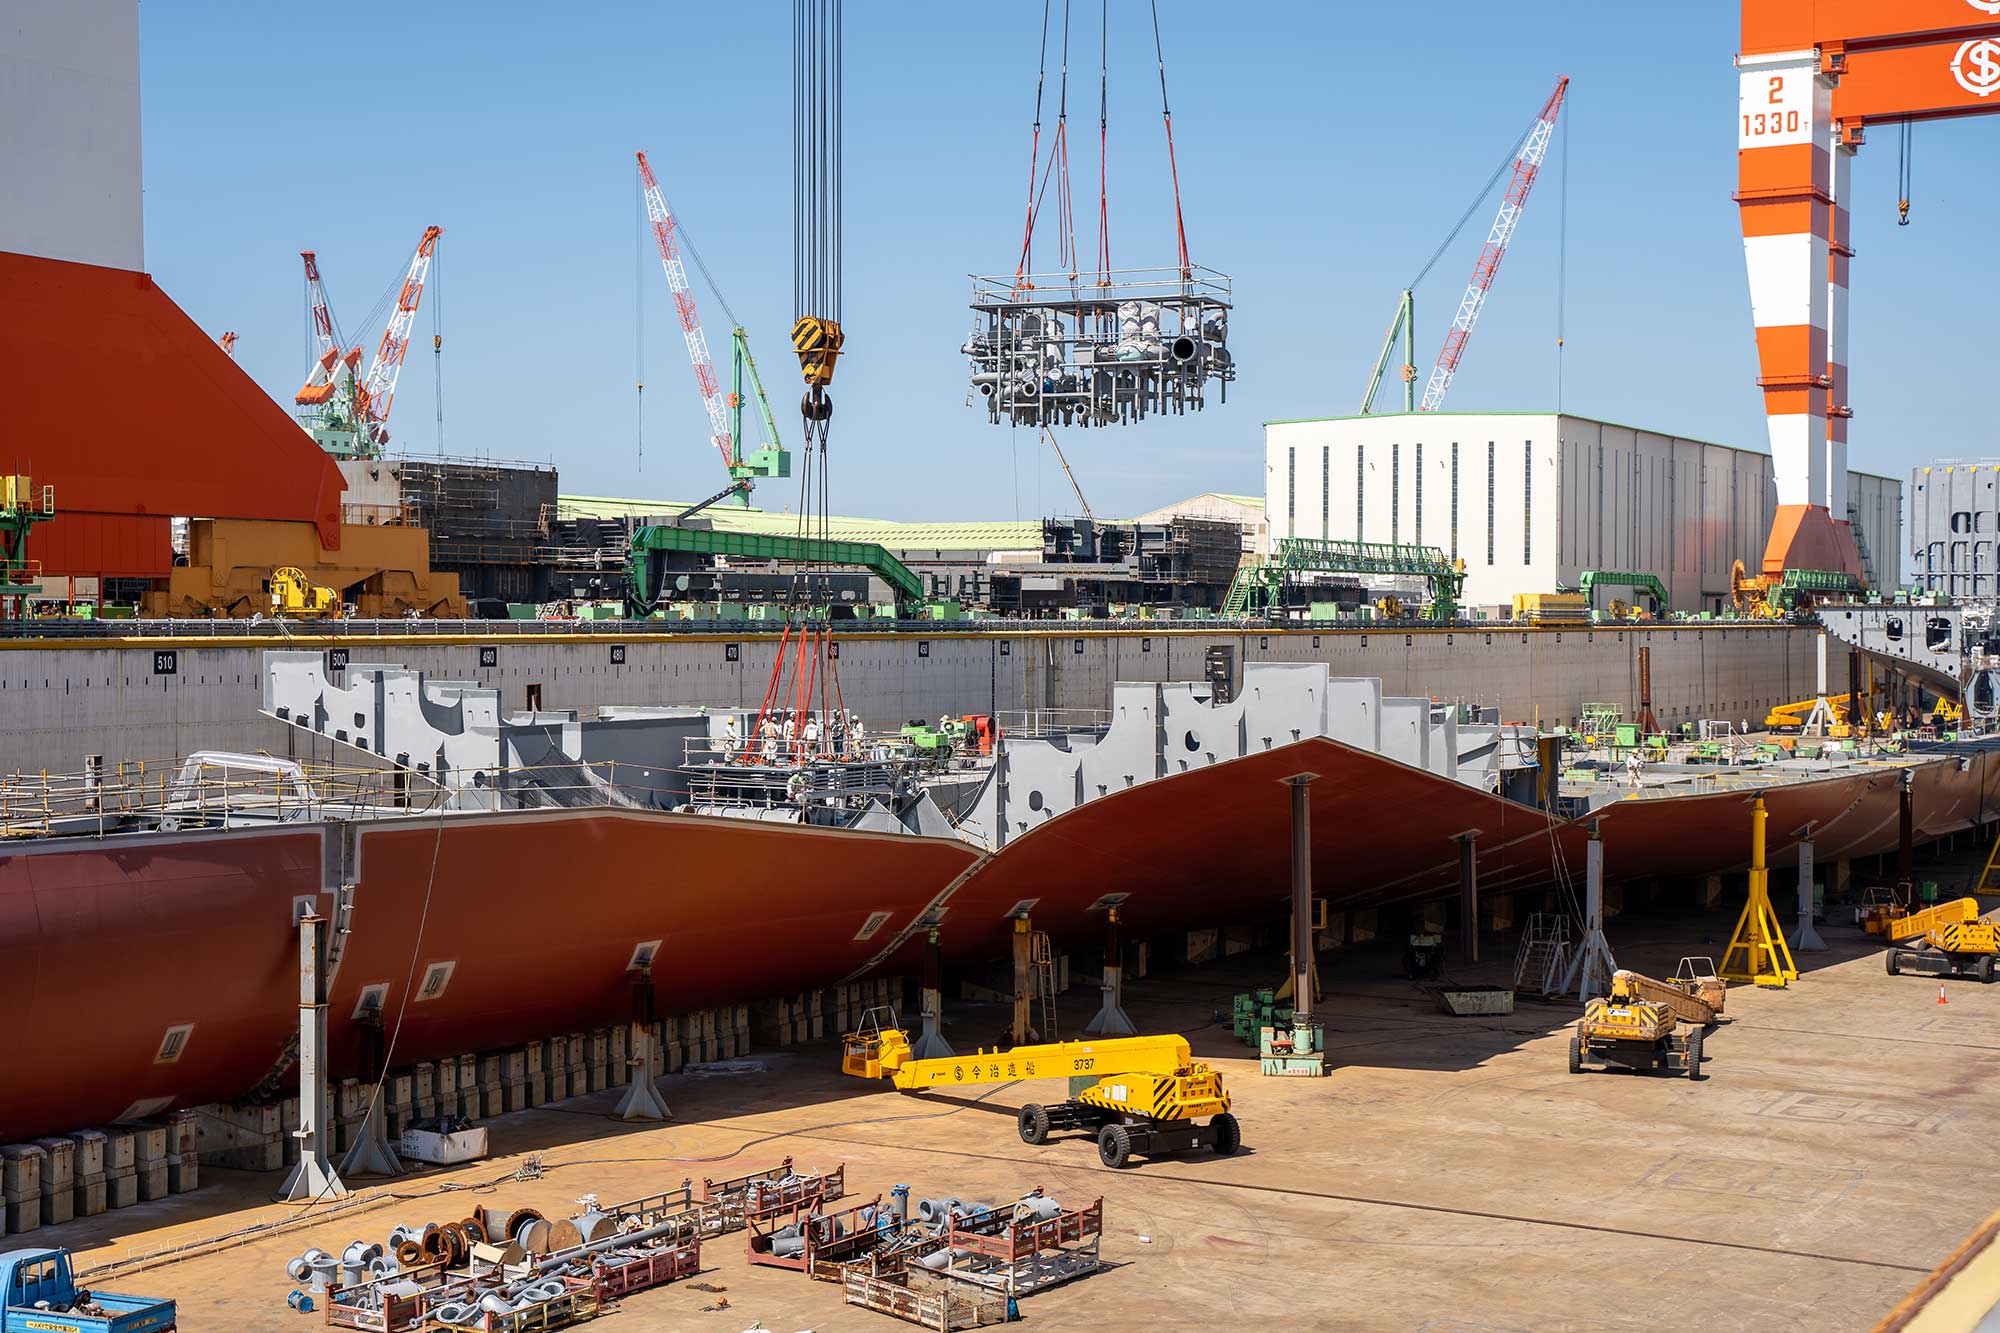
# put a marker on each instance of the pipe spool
(629, 1239)
(1184, 348)
(475, 1231)
(535, 1236)
(410, 1253)
(435, 1245)
(517, 1218)
(456, 1247)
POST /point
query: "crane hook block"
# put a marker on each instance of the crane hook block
(818, 342)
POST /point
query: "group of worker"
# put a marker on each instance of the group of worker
(798, 734)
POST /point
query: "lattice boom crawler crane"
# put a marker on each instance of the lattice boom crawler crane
(1137, 1094)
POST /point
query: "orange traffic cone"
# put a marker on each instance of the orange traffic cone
(1941, 999)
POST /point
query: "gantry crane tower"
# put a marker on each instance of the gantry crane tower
(1813, 77)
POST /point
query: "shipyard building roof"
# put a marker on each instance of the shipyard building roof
(957, 536)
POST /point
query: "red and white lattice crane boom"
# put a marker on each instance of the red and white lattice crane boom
(334, 368)
(712, 398)
(378, 391)
(1527, 164)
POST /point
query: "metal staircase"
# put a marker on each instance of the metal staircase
(1542, 959)
(1861, 544)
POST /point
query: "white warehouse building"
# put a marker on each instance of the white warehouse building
(1532, 499)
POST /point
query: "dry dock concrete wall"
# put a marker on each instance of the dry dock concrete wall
(157, 698)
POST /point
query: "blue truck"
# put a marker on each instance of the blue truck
(38, 1292)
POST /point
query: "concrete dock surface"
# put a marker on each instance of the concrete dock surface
(1449, 1175)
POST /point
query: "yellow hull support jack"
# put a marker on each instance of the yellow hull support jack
(1757, 949)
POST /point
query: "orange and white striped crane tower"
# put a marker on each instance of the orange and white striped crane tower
(378, 391)
(1814, 76)
(705, 379)
(1527, 165)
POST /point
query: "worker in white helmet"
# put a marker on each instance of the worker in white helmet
(811, 733)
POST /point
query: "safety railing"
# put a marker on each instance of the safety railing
(206, 790)
(1046, 722)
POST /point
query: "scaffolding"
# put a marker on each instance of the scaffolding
(1055, 349)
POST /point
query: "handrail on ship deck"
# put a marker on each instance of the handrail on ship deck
(203, 787)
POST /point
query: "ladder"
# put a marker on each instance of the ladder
(1861, 544)
(1543, 952)
(1042, 985)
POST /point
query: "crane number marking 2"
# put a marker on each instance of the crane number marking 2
(1083, 1062)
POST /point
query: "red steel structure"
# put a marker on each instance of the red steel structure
(1815, 75)
(135, 415)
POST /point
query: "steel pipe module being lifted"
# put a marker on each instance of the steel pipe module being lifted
(1102, 347)
(1055, 351)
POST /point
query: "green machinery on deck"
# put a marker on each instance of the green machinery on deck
(1591, 579)
(1259, 586)
(645, 567)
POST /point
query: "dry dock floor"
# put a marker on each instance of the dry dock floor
(1449, 1175)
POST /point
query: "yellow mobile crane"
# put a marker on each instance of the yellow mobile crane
(1951, 939)
(1139, 1094)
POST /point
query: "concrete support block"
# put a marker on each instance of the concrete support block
(1203, 946)
(183, 1175)
(423, 1085)
(58, 1163)
(1431, 919)
(153, 1180)
(1237, 939)
(1497, 911)
(617, 1063)
(89, 1158)
(59, 1207)
(1839, 880)
(1614, 900)
(149, 1143)
(1710, 892)
(118, 1149)
(1362, 924)
(21, 1166)
(121, 1187)
(24, 1216)
(88, 1196)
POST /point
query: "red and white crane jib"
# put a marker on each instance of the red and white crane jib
(326, 377)
(1527, 164)
(1812, 74)
(378, 391)
(697, 343)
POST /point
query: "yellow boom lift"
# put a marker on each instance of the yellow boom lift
(1951, 939)
(1137, 1094)
(1625, 1028)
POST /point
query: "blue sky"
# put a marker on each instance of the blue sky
(1324, 151)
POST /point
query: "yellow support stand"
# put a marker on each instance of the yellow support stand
(1992, 858)
(1767, 960)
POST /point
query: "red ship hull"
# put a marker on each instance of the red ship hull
(106, 944)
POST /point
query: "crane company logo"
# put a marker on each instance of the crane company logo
(1977, 65)
(1987, 6)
